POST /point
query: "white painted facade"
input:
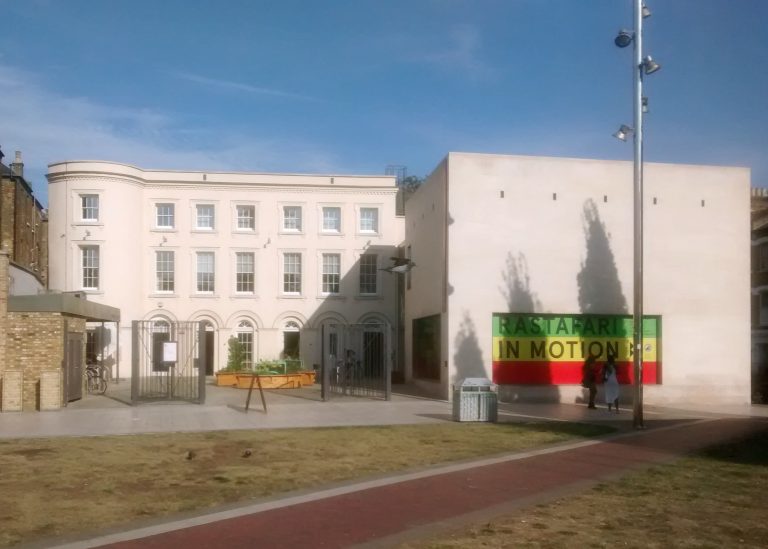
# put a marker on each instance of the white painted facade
(493, 233)
(146, 220)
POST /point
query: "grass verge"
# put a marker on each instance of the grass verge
(711, 500)
(52, 487)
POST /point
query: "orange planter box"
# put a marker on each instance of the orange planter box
(242, 380)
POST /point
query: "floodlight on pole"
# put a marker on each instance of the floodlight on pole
(623, 39)
(622, 133)
(649, 65)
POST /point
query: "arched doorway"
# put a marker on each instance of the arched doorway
(291, 340)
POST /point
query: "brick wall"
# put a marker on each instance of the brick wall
(35, 344)
(23, 228)
(7, 216)
(3, 309)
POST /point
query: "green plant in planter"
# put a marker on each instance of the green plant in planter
(236, 358)
(269, 367)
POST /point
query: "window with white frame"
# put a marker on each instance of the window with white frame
(165, 269)
(368, 274)
(205, 215)
(89, 207)
(244, 272)
(331, 273)
(165, 215)
(206, 263)
(246, 217)
(90, 267)
(292, 273)
(292, 218)
(369, 220)
(331, 219)
(245, 337)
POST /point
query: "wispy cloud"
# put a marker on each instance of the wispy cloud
(228, 85)
(461, 53)
(49, 126)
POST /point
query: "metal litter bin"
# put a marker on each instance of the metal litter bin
(475, 399)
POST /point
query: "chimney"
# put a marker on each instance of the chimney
(17, 166)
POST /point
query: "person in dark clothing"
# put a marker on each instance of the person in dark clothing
(589, 379)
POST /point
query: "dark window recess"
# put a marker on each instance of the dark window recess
(554, 196)
(426, 347)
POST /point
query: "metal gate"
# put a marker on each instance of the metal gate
(166, 361)
(357, 360)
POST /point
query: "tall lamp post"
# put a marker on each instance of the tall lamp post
(641, 66)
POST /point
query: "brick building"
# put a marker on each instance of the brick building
(23, 229)
(759, 243)
(42, 345)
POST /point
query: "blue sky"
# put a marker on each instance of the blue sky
(350, 86)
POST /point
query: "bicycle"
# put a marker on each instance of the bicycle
(95, 380)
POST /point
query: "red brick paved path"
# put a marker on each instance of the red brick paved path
(376, 513)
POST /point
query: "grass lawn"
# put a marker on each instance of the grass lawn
(50, 487)
(715, 499)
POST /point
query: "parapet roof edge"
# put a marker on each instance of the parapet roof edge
(602, 160)
(219, 172)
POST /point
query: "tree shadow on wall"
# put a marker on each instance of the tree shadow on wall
(468, 358)
(598, 281)
(521, 299)
(517, 291)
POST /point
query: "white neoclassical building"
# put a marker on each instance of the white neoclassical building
(267, 258)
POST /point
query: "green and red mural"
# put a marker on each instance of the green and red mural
(550, 349)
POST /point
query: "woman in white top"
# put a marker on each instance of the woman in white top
(611, 384)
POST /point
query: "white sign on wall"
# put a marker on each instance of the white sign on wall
(169, 351)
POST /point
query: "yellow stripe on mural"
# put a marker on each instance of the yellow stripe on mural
(567, 349)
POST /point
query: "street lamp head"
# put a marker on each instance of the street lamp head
(624, 38)
(646, 12)
(623, 132)
(649, 65)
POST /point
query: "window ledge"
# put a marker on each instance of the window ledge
(243, 296)
(291, 296)
(161, 295)
(204, 296)
(334, 297)
(164, 230)
(81, 223)
(368, 297)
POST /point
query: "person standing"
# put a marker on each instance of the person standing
(611, 384)
(589, 379)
